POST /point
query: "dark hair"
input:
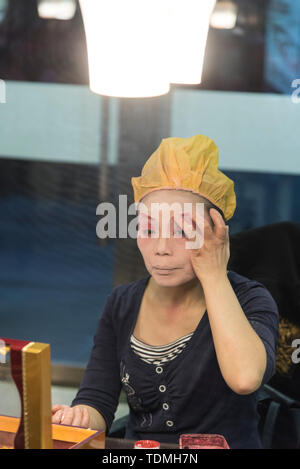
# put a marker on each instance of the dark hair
(208, 205)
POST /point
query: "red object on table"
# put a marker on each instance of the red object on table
(202, 441)
(146, 444)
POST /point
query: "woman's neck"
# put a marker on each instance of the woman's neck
(181, 296)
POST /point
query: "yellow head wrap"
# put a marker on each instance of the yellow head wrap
(190, 164)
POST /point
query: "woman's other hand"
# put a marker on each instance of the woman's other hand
(210, 261)
(77, 416)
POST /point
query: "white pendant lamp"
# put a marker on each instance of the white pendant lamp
(126, 47)
(189, 24)
(224, 15)
(57, 9)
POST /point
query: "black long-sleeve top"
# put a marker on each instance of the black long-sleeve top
(187, 394)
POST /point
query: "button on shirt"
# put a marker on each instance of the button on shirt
(190, 394)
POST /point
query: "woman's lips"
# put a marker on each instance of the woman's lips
(163, 271)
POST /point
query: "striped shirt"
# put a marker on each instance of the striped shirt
(158, 354)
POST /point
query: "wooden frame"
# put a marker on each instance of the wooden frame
(31, 371)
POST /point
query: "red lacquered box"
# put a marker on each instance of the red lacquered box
(202, 441)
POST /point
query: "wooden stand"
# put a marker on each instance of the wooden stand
(31, 372)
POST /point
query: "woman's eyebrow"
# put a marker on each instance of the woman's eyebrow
(151, 218)
(144, 215)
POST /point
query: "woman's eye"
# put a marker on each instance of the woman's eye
(180, 231)
(142, 228)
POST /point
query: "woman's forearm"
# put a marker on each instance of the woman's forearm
(240, 352)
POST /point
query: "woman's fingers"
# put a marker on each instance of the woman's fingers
(56, 418)
(57, 407)
(81, 417)
(68, 416)
(85, 418)
(75, 416)
(220, 229)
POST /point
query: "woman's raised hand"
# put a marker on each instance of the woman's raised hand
(210, 261)
(76, 416)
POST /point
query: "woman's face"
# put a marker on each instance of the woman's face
(166, 251)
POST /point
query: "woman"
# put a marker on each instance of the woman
(191, 343)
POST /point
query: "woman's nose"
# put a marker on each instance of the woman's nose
(162, 244)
